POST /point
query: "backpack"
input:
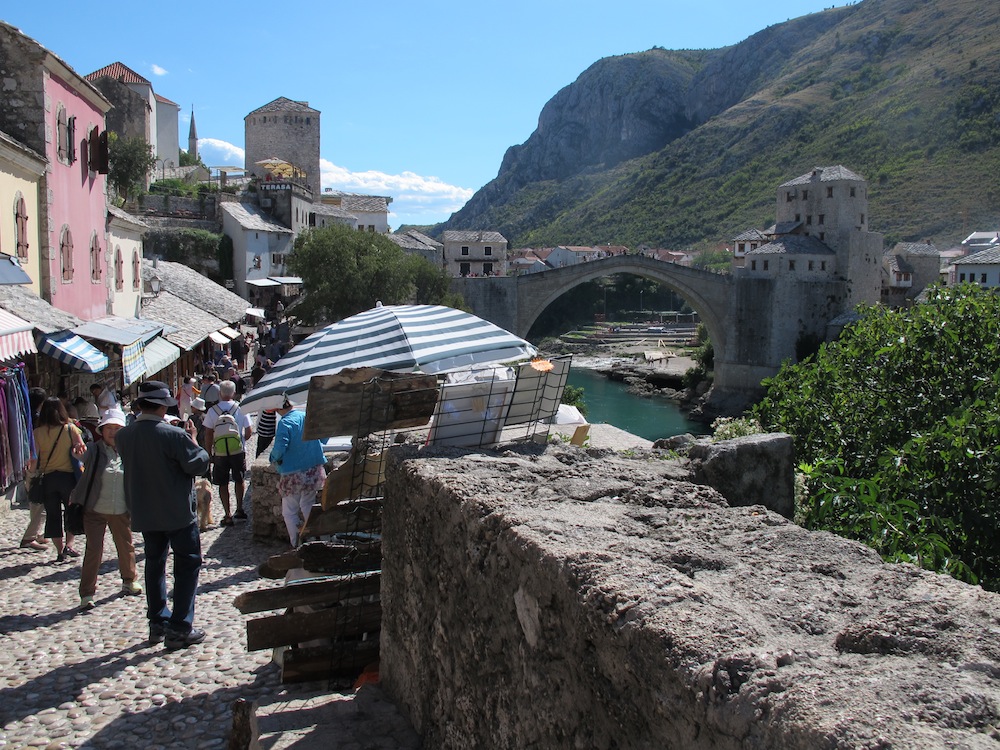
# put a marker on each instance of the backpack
(227, 439)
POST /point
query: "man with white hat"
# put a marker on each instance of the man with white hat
(160, 463)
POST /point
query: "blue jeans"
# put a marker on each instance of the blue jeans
(186, 545)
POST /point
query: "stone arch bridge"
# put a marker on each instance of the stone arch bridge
(515, 302)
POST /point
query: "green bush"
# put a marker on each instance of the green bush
(898, 423)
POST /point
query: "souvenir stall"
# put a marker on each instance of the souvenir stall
(16, 442)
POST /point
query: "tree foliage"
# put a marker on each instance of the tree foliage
(129, 162)
(345, 271)
(898, 423)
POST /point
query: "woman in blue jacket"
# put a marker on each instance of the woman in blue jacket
(300, 465)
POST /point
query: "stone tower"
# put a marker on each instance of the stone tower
(193, 138)
(286, 130)
(831, 204)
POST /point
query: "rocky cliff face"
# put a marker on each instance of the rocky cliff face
(674, 148)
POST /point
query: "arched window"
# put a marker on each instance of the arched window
(136, 268)
(21, 226)
(95, 259)
(119, 269)
(66, 254)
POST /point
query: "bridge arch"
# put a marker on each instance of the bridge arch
(708, 293)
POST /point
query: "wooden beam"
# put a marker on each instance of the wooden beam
(359, 401)
(325, 590)
(361, 515)
(321, 662)
(298, 627)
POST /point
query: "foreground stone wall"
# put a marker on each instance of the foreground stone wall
(572, 599)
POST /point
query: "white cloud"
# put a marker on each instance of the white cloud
(415, 199)
(157, 70)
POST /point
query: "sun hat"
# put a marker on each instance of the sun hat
(156, 392)
(172, 418)
(198, 403)
(112, 416)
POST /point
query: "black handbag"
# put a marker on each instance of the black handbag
(36, 493)
(74, 519)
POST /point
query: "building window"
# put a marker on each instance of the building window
(811, 266)
(753, 265)
(119, 269)
(791, 265)
(982, 278)
(487, 251)
(277, 259)
(488, 269)
(809, 219)
(852, 192)
(464, 269)
(20, 226)
(371, 227)
(829, 192)
(95, 259)
(66, 254)
(765, 265)
(798, 217)
(862, 219)
(789, 196)
(136, 271)
(465, 249)
(822, 218)
(961, 277)
(805, 195)
(822, 265)
(741, 247)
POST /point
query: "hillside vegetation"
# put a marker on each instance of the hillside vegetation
(678, 148)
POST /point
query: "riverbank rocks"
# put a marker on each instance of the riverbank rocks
(565, 598)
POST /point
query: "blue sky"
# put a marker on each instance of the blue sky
(419, 100)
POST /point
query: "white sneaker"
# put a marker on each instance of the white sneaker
(87, 602)
(131, 588)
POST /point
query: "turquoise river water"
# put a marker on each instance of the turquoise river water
(609, 402)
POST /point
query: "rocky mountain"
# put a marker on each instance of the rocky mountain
(686, 147)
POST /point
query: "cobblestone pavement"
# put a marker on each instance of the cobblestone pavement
(89, 679)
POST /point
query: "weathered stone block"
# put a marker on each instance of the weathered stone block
(566, 599)
(752, 470)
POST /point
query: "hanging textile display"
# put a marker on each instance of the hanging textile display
(16, 440)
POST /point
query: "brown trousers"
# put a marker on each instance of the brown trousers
(94, 526)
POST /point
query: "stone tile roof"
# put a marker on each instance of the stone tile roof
(164, 100)
(126, 217)
(360, 202)
(119, 72)
(192, 324)
(894, 262)
(825, 174)
(793, 244)
(751, 235)
(915, 248)
(328, 209)
(413, 240)
(198, 290)
(988, 256)
(17, 145)
(464, 235)
(784, 227)
(284, 104)
(250, 217)
(32, 308)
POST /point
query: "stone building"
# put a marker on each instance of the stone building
(285, 130)
(417, 243)
(140, 111)
(908, 269)
(474, 253)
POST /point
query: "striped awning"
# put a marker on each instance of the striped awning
(160, 353)
(403, 338)
(133, 362)
(71, 350)
(15, 337)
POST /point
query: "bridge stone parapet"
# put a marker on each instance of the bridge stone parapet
(562, 598)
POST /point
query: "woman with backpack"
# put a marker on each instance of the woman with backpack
(226, 431)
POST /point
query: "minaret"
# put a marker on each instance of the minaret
(193, 138)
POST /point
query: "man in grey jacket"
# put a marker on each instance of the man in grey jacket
(160, 463)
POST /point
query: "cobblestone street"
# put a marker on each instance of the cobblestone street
(70, 678)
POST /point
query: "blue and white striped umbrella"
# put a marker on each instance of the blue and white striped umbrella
(403, 338)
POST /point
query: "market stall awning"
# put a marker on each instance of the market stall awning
(71, 350)
(256, 312)
(15, 336)
(11, 272)
(230, 333)
(121, 331)
(219, 338)
(286, 279)
(159, 354)
(263, 282)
